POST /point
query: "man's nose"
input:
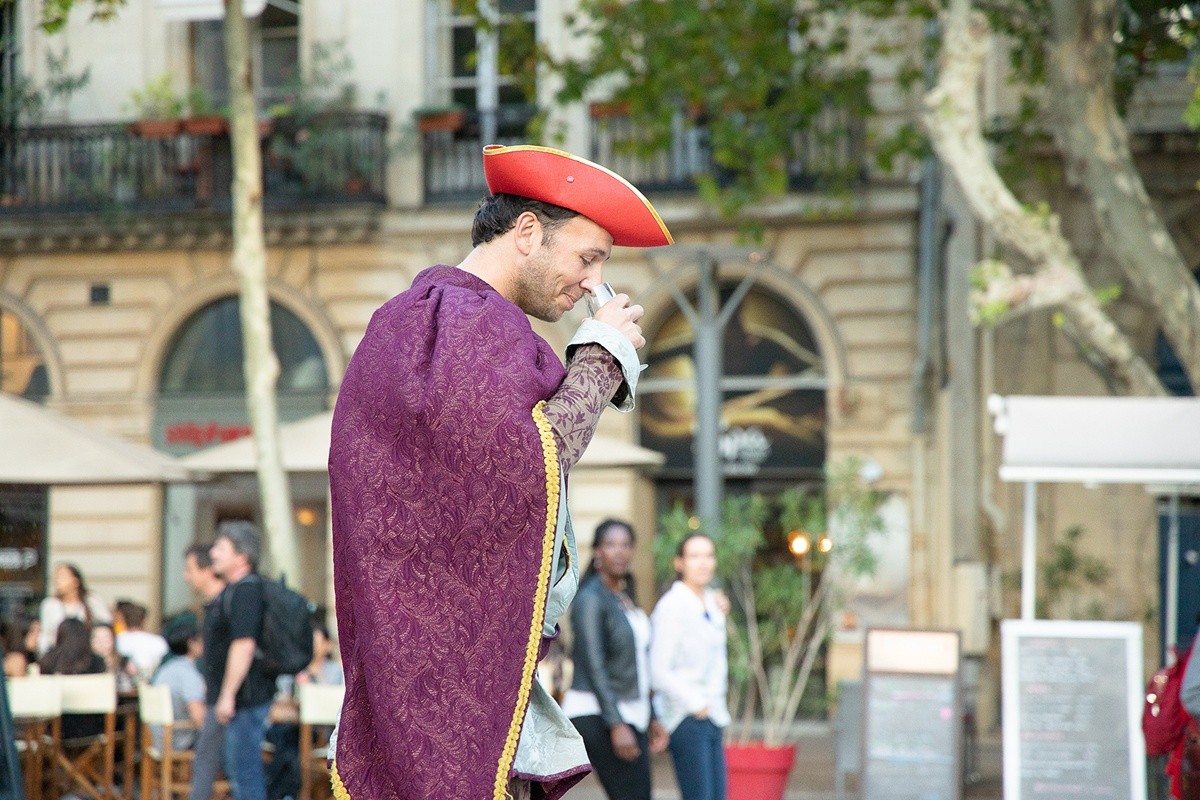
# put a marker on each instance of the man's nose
(594, 278)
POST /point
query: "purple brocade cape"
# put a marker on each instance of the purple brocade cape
(444, 486)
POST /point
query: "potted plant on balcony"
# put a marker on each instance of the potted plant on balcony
(786, 564)
(203, 118)
(433, 119)
(158, 108)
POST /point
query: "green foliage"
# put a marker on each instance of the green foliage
(987, 309)
(1108, 294)
(23, 102)
(783, 608)
(308, 135)
(56, 12)
(326, 86)
(200, 103)
(1071, 584)
(157, 99)
(750, 74)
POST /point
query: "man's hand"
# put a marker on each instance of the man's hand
(624, 743)
(624, 317)
(224, 709)
(659, 738)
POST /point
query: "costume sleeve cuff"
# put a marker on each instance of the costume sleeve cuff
(608, 337)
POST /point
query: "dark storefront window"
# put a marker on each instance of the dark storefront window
(22, 549)
(773, 390)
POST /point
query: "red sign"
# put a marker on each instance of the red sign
(199, 434)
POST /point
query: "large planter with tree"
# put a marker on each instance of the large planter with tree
(785, 564)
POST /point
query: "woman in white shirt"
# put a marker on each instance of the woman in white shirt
(71, 600)
(689, 671)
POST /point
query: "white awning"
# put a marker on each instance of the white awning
(195, 10)
(1151, 440)
(40, 446)
(305, 449)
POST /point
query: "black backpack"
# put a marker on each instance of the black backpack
(285, 646)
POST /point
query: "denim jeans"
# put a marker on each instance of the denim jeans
(699, 756)
(243, 752)
(208, 753)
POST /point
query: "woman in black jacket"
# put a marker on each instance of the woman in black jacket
(609, 698)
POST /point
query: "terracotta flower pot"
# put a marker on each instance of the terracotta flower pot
(208, 125)
(758, 772)
(155, 128)
(443, 121)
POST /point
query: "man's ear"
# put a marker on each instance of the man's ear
(526, 232)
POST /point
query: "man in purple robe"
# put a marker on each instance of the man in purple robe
(453, 433)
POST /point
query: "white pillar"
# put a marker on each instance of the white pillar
(1029, 554)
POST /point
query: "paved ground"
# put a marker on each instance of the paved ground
(813, 776)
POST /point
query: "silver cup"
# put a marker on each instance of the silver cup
(598, 297)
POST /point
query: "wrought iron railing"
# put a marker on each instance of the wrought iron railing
(330, 158)
(829, 150)
(452, 156)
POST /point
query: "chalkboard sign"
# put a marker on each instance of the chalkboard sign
(912, 716)
(1072, 694)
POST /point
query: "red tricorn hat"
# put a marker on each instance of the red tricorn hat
(601, 195)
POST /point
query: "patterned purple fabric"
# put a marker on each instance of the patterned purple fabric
(439, 493)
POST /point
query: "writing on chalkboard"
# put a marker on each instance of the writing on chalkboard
(912, 719)
(1069, 731)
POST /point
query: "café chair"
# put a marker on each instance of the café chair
(320, 706)
(85, 765)
(166, 772)
(36, 703)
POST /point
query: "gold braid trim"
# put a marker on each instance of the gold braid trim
(339, 788)
(550, 456)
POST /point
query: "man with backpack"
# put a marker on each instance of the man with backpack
(238, 689)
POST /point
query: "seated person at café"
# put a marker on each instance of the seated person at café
(179, 672)
(140, 646)
(104, 644)
(18, 655)
(72, 655)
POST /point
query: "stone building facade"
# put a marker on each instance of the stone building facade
(117, 306)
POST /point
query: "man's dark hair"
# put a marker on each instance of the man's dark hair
(498, 213)
(179, 631)
(201, 554)
(133, 613)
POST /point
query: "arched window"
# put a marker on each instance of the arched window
(206, 354)
(772, 386)
(201, 389)
(22, 366)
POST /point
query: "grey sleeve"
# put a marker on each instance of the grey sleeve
(1189, 690)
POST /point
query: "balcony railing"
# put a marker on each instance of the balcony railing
(827, 152)
(334, 158)
(452, 155)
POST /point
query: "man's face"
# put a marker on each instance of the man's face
(192, 574)
(562, 268)
(223, 555)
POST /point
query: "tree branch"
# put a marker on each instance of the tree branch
(952, 119)
(1095, 142)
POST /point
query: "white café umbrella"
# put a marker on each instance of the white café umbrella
(40, 446)
(305, 446)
